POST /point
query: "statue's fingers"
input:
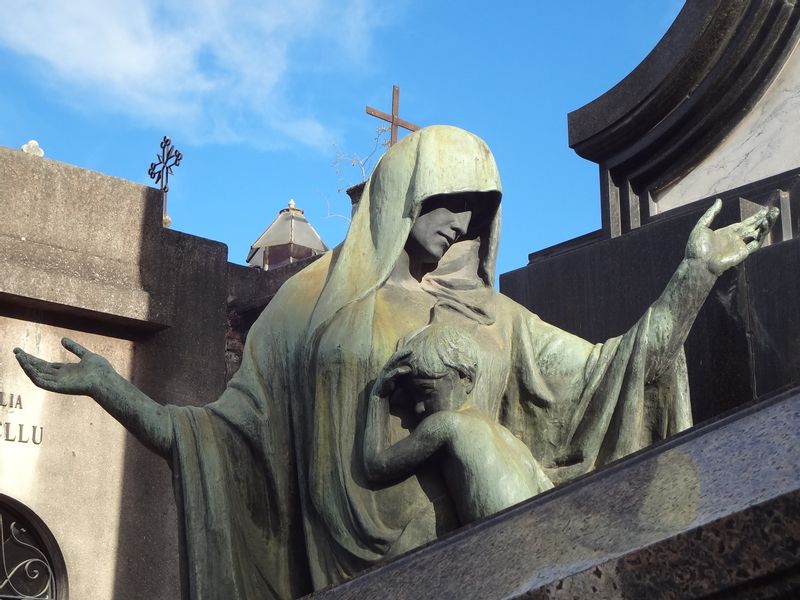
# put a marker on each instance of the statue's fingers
(761, 222)
(759, 225)
(746, 234)
(398, 357)
(400, 354)
(754, 245)
(709, 216)
(29, 364)
(39, 365)
(400, 371)
(389, 380)
(771, 217)
(765, 225)
(756, 219)
(21, 356)
(74, 347)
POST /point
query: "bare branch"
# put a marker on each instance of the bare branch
(331, 214)
(366, 163)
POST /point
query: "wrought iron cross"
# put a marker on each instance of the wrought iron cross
(393, 118)
(162, 169)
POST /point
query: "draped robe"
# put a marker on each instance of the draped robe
(269, 479)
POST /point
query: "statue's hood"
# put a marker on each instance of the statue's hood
(432, 161)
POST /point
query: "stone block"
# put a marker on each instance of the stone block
(72, 240)
(85, 255)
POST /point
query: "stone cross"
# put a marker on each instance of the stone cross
(394, 119)
(161, 170)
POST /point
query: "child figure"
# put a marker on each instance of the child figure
(486, 468)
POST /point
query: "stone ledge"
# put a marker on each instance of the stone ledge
(752, 553)
(69, 281)
(711, 499)
(81, 257)
(68, 207)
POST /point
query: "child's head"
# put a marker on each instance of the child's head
(444, 366)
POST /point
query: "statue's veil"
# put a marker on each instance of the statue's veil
(342, 354)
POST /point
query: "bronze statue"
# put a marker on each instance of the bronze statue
(274, 495)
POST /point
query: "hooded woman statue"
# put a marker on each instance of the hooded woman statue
(269, 479)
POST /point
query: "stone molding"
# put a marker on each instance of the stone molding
(710, 68)
(79, 257)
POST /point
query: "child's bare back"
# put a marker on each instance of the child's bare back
(485, 467)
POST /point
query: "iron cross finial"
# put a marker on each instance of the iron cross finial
(393, 118)
(161, 170)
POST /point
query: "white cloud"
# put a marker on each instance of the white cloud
(218, 70)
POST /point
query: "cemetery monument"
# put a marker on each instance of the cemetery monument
(270, 482)
(279, 489)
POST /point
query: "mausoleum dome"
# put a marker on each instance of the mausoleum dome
(288, 239)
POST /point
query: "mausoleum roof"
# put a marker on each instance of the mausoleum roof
(290, 229)
(707, 72)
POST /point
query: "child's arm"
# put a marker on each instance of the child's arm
(402, 459)
(378, 409)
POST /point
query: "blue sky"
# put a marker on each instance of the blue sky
(262, 97)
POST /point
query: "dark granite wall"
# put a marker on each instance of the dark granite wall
(745, 343)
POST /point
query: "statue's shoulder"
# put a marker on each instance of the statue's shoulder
(308, 282)
(296, 298)
(511, 309)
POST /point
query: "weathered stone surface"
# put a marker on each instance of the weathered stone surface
(84, 255)
(711, 511)
(73, 479)
(92, 265)
(750, 554)
(761, 145)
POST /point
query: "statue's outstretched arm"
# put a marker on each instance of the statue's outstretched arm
(708, 254)
(94, 376)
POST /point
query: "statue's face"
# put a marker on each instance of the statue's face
(441, 222)
(435, 394)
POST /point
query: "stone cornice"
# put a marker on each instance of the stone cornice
(709, 69)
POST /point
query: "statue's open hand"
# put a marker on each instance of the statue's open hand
(724, 248)
(395, 367)
(81, 378)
